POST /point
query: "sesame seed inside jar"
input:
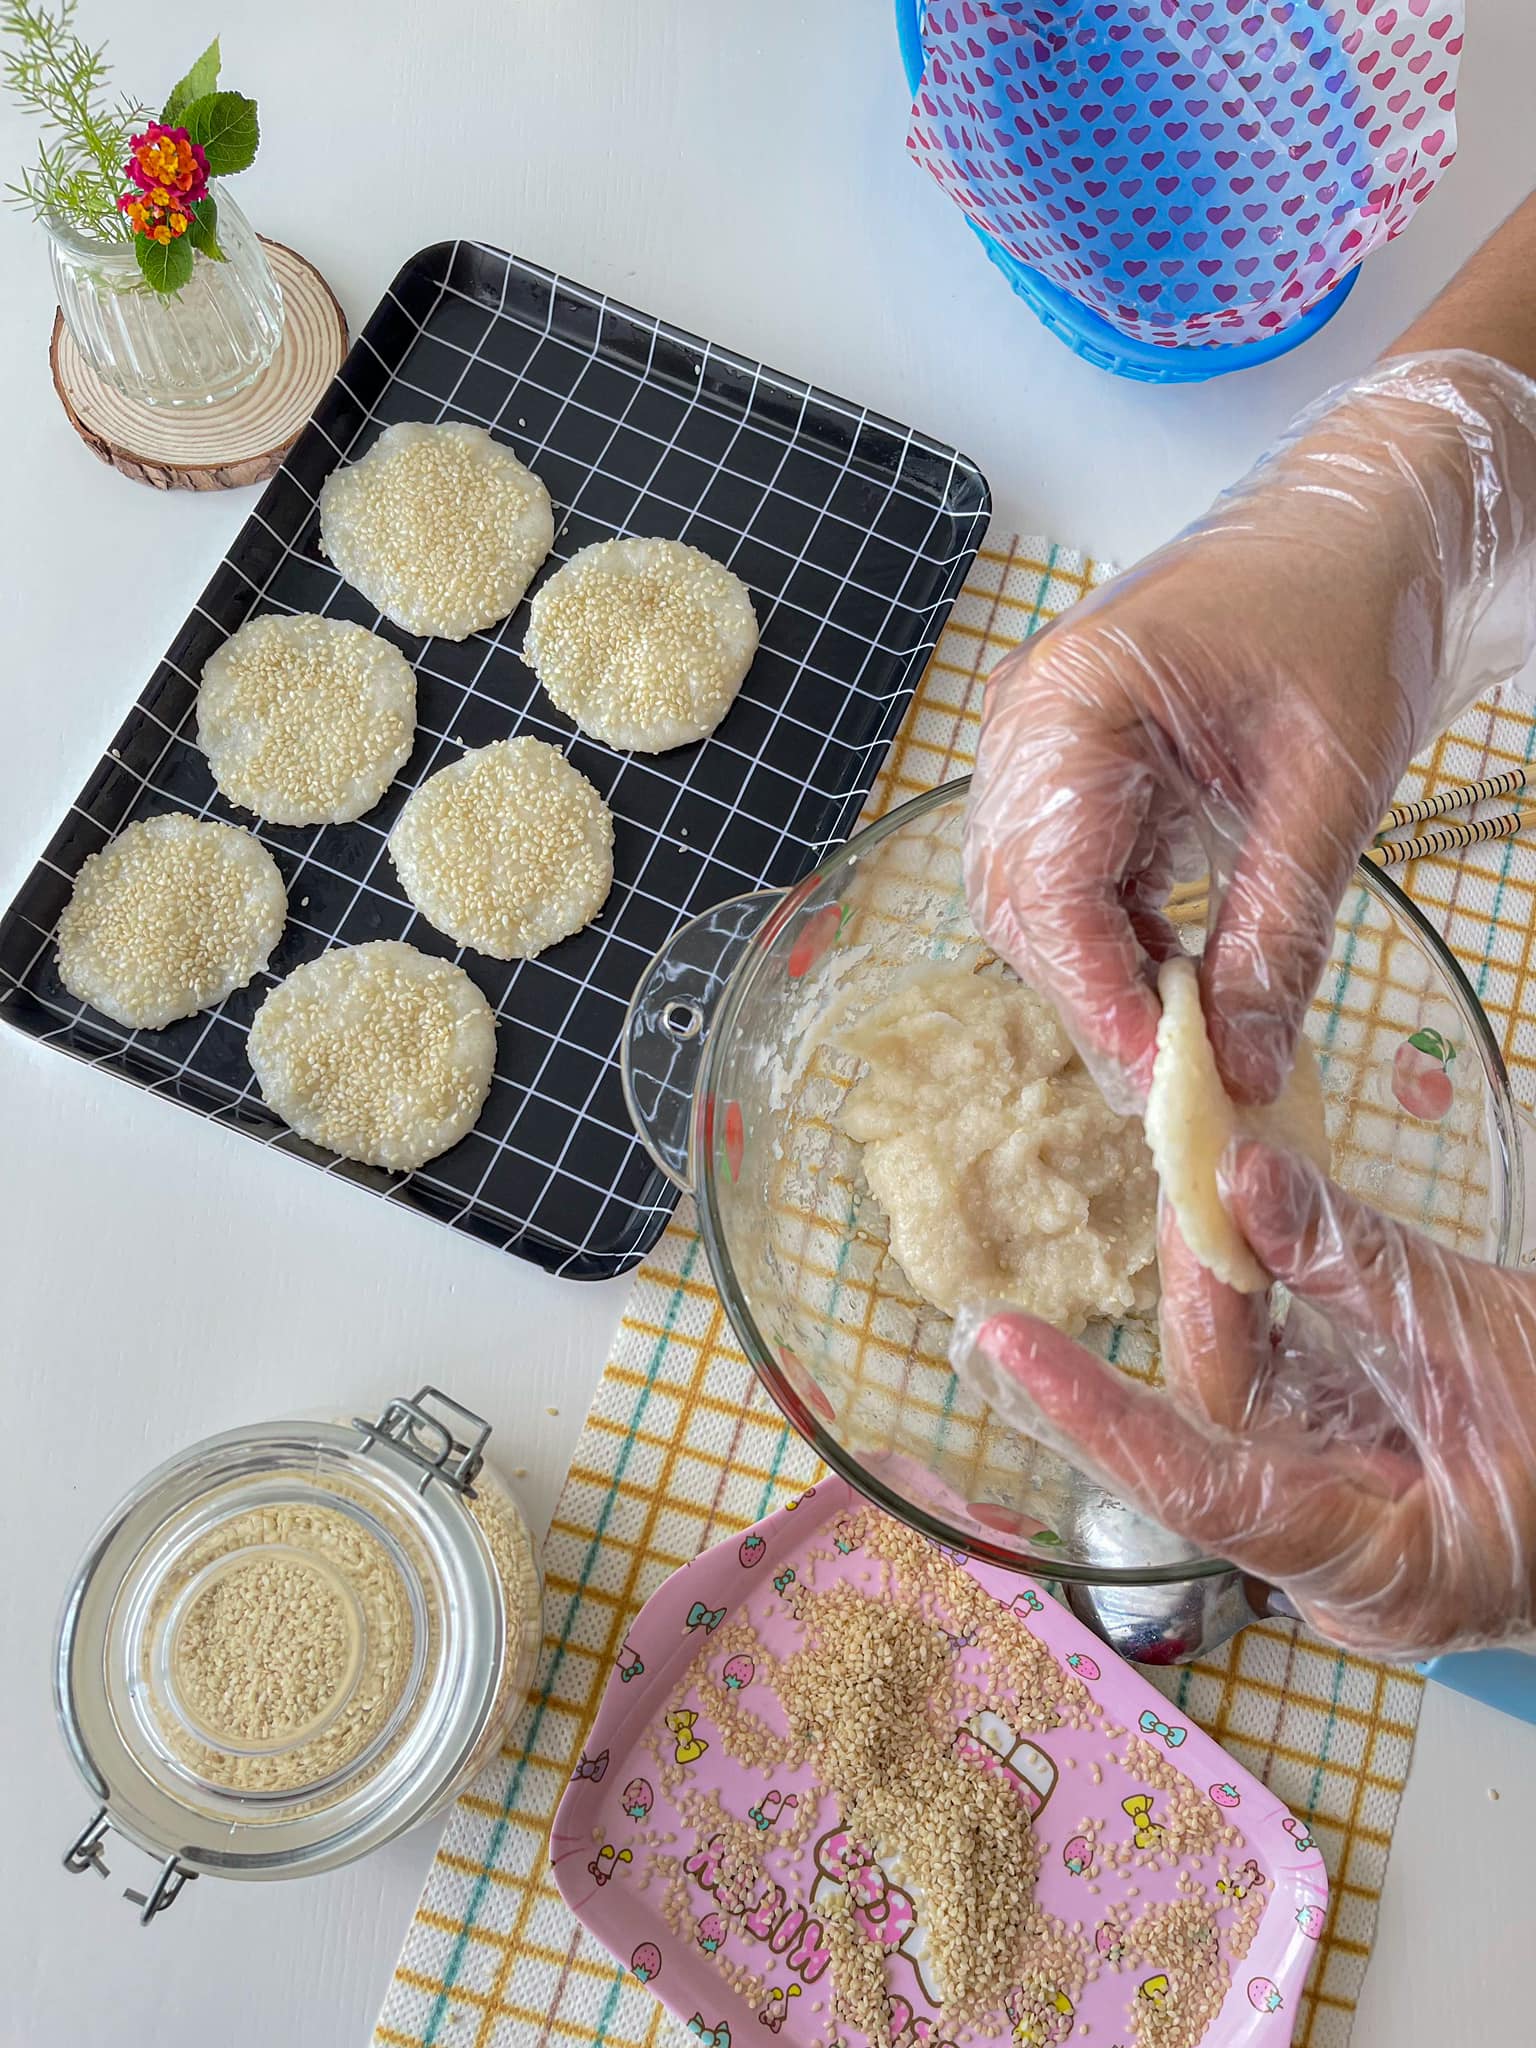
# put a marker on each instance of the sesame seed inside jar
(289, 1643)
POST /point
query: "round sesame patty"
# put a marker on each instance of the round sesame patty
(441, 527)
(643, 642)
(507, 850)
(377, 1051)
(171, 917)
(306, 720)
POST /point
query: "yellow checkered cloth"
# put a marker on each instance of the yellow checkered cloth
(682, 1448)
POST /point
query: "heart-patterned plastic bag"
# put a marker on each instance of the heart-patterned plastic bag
(1194, 171)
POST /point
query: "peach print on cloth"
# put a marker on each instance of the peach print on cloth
(1192, 170)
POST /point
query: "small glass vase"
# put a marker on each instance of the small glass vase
(187, 348)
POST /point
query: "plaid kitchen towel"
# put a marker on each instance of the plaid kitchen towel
(682, 1448)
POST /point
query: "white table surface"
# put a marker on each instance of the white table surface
(738, 169)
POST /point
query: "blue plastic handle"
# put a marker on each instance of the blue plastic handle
(1505, 1679)
(1087, 333)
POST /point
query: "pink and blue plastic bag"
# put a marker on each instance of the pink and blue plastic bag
(1191, 172)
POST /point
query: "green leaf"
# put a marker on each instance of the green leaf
(224, 124)
(204, 231)
(1436, 1047)
(166, 265)
(198, 83)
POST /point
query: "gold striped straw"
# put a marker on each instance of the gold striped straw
(1187, 900)
(1459, 797)
(1449, 837)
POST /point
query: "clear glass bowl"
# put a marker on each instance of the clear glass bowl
(736, 1082)
(193, 347)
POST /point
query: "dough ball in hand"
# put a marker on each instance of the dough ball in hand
(645, 643)
(171, 917)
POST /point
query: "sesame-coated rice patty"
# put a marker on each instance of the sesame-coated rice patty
(439, 526)
(306, 720)
(171, 917)
(508, 850)
(376, 1051)
(644, 643)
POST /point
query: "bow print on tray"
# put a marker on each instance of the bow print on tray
(1150, 1725)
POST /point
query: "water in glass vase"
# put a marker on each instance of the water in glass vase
(187, 348)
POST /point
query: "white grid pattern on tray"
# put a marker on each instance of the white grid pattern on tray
(522, 1190)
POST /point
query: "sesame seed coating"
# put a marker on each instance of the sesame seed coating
(508, 850)
(171, 917)
(643, 642)
(1192, 1824)
(283, 1648)
(306, 721)
(376, 1051)
(439, 526)
(871, 1703)
(871, 1690)
(879, 1711)
(1179, 1939)
(1245, 1920)
(517, 1567)
(858, 1973)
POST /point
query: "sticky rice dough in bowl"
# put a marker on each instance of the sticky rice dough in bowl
(1003, 1173)
(881, 1126)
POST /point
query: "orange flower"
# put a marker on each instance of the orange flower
(156, 216)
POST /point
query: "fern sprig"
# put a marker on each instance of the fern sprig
(53, 73)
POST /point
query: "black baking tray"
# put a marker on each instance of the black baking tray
(853, 534)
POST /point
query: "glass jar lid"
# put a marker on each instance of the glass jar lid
(286, 1645)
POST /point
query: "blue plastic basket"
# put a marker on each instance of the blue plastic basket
(1085, 332)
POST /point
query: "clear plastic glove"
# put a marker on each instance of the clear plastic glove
(1246, 700)
(1375, 1459)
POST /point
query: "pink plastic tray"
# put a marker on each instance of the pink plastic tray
(728, 1957)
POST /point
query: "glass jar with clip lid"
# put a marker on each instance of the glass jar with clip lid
(293, 1641)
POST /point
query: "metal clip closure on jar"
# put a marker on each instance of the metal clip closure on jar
(293, 1641)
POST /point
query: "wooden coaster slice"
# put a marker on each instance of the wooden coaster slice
(215, 447)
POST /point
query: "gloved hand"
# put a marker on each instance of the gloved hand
(1376, 1460)
(1247, 699)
